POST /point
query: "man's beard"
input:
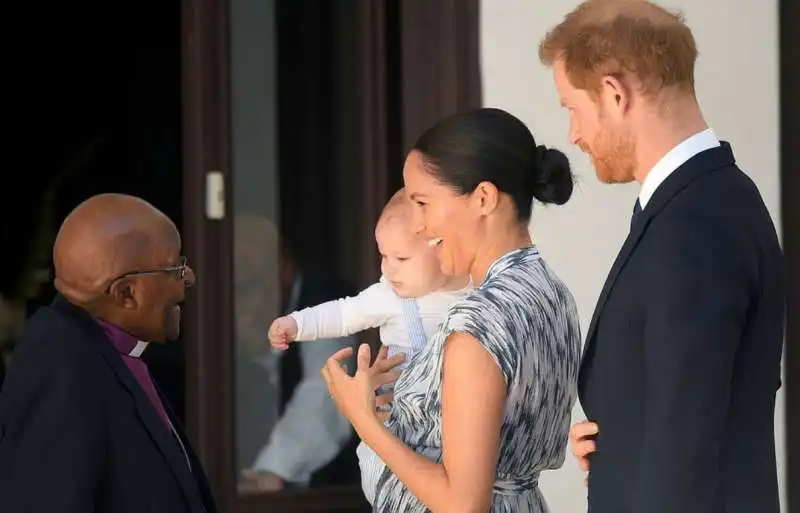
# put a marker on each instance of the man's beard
(613, 155)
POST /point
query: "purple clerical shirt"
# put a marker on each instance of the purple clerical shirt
(130, 350)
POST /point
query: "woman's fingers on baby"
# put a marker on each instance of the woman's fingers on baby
(389, 363)
(383, 400)
(386, 378)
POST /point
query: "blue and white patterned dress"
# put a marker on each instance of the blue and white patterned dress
(527, 320)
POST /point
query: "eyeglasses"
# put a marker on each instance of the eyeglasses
(178, 270)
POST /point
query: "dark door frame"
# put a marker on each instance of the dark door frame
(789, 15)
(205, 148)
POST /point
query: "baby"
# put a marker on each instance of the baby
(407, 304)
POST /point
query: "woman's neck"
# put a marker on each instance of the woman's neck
(505, 242)
(452, 283)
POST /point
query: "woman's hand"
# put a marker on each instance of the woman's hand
(355, 396)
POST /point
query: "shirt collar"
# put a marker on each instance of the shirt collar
(124, 342)
(674, 159)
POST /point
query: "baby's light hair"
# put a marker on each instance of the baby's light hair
(395, 210)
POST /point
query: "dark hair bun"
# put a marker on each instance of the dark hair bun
(552, 176)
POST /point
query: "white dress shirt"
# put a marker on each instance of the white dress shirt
(674, 159)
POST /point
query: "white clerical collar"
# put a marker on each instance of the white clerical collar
(674, 159)
(138, 349)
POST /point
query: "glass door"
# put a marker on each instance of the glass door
(270, 212)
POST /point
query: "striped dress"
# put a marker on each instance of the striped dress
(526, 319)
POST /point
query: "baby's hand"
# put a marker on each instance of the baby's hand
(282, 332)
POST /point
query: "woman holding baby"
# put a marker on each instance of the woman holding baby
(485, 406)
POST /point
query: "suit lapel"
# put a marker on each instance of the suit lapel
(695, 167)
(160, 433)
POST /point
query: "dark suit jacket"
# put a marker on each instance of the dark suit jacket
(682, 359)
(78, 434)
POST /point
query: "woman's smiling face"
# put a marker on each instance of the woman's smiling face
(447, 218)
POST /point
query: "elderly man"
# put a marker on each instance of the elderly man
(682, 358)
(82, 425)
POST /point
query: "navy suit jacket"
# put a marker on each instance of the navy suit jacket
(682, 358)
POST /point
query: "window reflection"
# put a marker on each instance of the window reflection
(290, 434)
(256, 302)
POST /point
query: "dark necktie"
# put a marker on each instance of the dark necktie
(637, 210)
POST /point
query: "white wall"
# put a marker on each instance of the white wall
(737, 83)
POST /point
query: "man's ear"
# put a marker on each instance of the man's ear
(617, 95)
(122, 294)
